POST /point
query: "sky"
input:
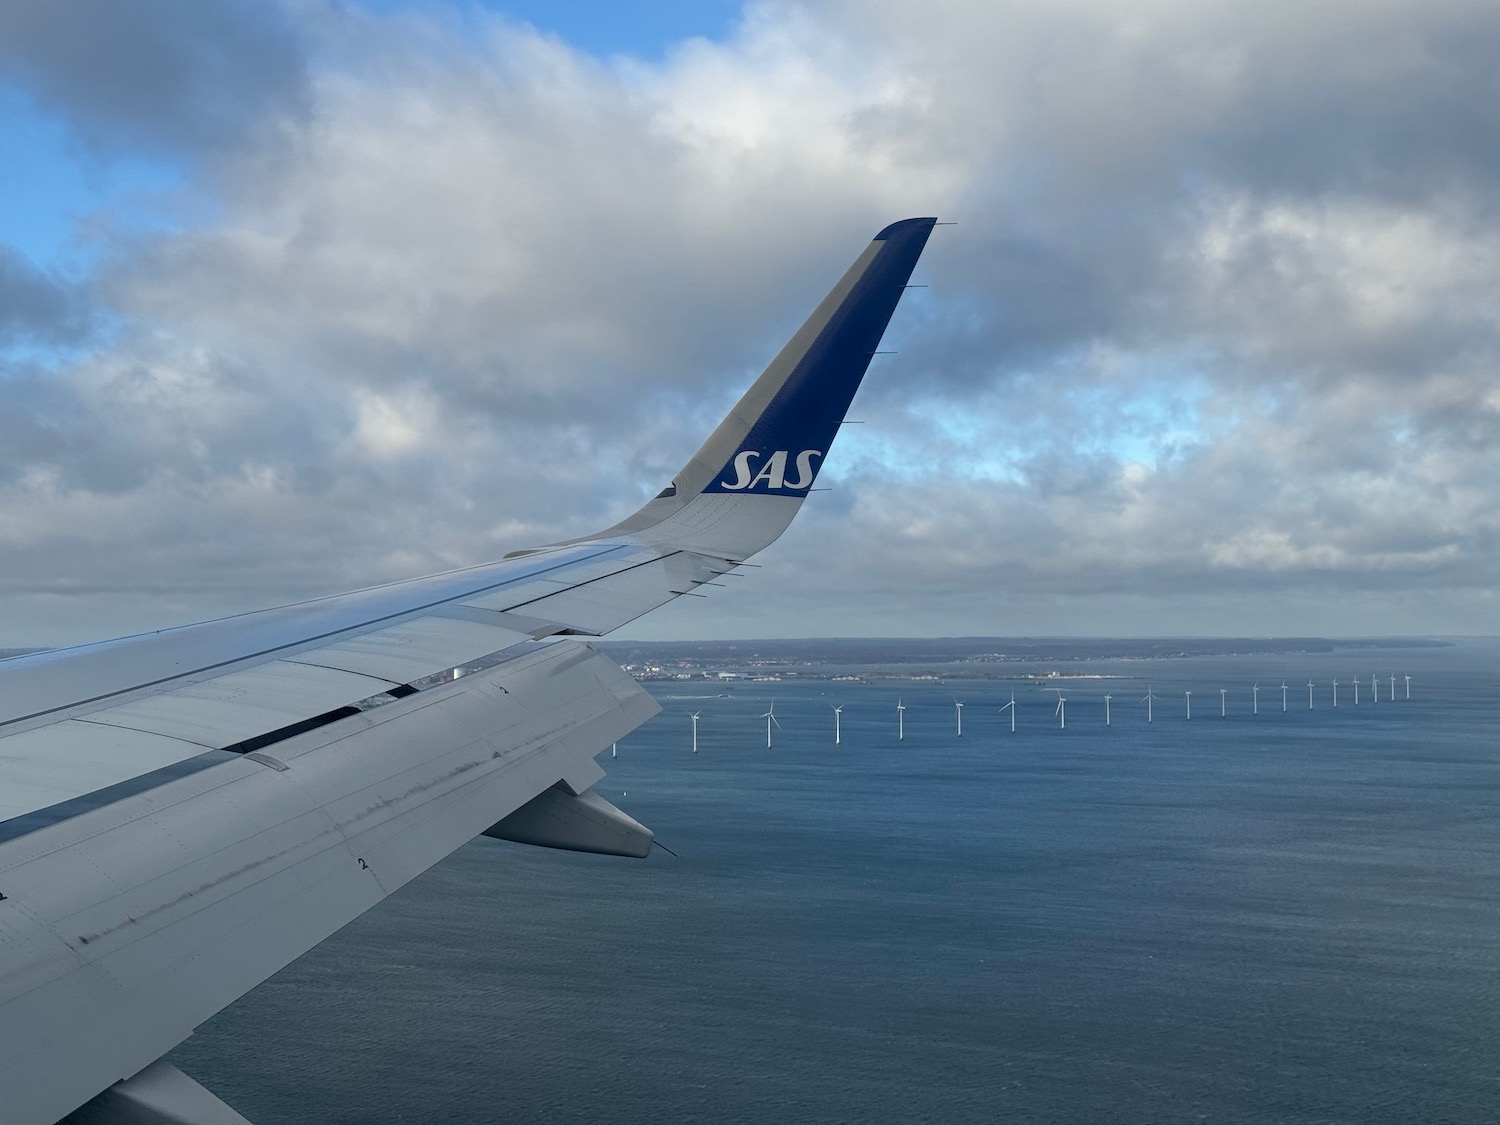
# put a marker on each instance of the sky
(306, 296)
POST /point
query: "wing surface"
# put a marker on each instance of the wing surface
(182, 813)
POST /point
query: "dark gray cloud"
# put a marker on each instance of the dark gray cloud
(36, 308)
(155, 77)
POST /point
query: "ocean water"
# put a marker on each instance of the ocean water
(1292, 917)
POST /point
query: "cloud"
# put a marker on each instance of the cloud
(34, 307)
(155, 77)
(1215, 334)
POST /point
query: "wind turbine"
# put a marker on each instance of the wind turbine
(1062, 708)
(1374, 689)
(1189, 696)
(900, 721)
(1223, 710)
(1408, 687)
(614, 749)
(1356, 692)
(1309, 694)
(694, 717)
(770, 717)
(1107, 698)
(1150, 699)
(1393, 687)
(959, 707)
(1283, 696)
(1255, 699)
(838, 733)
(1335, 691)
(1011, 707)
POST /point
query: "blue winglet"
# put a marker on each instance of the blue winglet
(786, 444)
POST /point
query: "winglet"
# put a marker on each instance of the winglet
(768, 451)
(813, 380)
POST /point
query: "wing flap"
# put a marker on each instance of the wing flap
(62, 761)
(231, 708)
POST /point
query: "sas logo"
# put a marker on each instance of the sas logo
(750, 471)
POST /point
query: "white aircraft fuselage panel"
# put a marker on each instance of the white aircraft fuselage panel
(33, 686)
(131, 922)
(412, 650)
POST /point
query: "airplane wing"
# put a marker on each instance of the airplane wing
(183, 813)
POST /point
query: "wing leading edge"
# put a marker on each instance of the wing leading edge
(185, 812)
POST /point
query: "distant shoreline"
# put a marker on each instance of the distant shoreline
(872, 660)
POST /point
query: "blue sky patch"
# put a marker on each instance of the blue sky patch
(602, 28)
(50, 184)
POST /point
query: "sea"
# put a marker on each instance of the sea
(1278, 915)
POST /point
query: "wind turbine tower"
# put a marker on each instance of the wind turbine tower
(1011, 707)
(1223, 709)
(694, 717)
(1062, 708)
(959, 707)
(838, 734)
(1408, 687)
(770, 717)
(1106, 708)
(1393, 687)
(900, 721)
(1356, 692)
(1283, 696)
(1255, 699)
(1335, 691)
(1189, 696)
(1309, 694)
(1374, 689)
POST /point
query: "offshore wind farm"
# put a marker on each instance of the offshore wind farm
(1254, 907)
(1048, 703)
(1026, 693)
